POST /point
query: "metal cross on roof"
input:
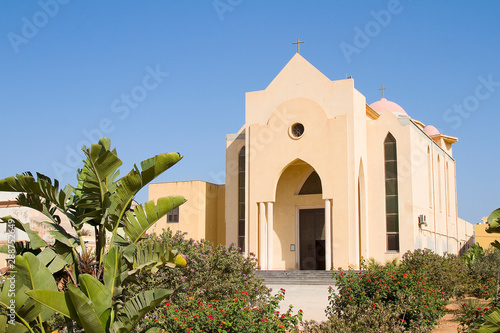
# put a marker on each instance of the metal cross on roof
(298, 42)
(383, 90)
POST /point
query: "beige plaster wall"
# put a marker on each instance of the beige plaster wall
(199, 216)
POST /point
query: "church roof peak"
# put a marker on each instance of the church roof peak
(298, 70)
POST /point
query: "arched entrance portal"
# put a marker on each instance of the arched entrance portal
(299, 217)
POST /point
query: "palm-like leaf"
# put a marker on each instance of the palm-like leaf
(136, 308)
(88, 318)
(30, 274)
(11, 328)
(96, 182)
(41, 187)
(492, 323)
(136, 223)
(134, 181)
(494, 222)
(52, 260)
(35, 275)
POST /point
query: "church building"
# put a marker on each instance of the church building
(316, 178)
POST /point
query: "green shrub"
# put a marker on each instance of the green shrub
(212, 272)
(365, 317)
(448, 273)
(390, 286)
(484, 273)
(226, 315)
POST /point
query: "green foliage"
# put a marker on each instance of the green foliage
(492, 319)
(232, 314)
(366, 317)
(213, 272)
(447, 273)
(470, 314)
(389, 286)
(484, 275)
(91, 294)
(473, 253)
(29, 274)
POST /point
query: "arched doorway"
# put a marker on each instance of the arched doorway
(300, 217)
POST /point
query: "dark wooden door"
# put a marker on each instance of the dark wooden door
(312, 239)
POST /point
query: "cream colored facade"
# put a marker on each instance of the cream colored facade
(343, 142)
(201, 216)
(316, 178)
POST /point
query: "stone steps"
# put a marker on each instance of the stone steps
(296, 277)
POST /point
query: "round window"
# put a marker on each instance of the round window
(297, 130)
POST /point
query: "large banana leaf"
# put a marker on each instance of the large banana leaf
(40, 204)
(52, 260)
(26, 310)
(36, 241)
(41, 187)
(494, 222)
(157, 253)
(29, 273)
(115, 271)
(35, 275)
(11, 327)
(96, 182)
(99, 296)
(135, 180)
(136, 308)
(60, 234)
(136, 223)
(19, 247)
(89, 319)
(57, 301)
(492, 323)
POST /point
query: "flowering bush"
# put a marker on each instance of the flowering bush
(366, 317)
(391, 286)
(448, 272)
(470, 314)
(212, 272)
(485, 273)
(226, 315)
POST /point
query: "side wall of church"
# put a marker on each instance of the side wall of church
(234, 144)
(377, 132)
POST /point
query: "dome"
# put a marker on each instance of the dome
(384, 105)
(431, 130)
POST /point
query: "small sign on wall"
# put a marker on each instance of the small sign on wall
(292, 247)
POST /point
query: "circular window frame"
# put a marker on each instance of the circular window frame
(294, 129)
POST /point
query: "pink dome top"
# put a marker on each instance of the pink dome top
(384, 104)
(431, 130)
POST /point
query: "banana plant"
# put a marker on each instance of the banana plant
(25, 314)
(97, 306)
(102, 201)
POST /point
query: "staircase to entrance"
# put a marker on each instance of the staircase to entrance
(296, 277)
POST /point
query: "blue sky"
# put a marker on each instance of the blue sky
(67, 68)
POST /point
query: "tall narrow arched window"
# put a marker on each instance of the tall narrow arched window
(440, 192)
(241, 200)
(447, 187)
(429, 175)
(391, 194)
